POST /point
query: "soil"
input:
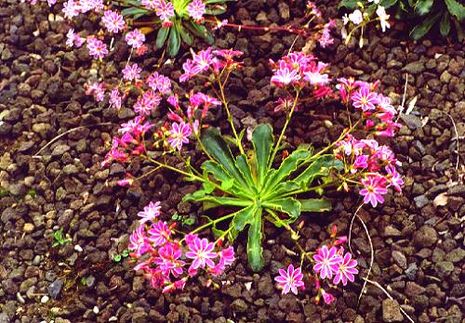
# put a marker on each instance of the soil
(418, 236)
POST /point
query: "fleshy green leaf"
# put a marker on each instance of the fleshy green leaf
(162, 35)
(422, 29)
(456, 9)
(320, 167)
(262, 140)
(287, 167)
(200, 31)
(444, 25)
(243, 218)
(349, 4)
(219, 150)
(387, 3)
(315, 205)
(211, 201)
(288, 205)
(134, 12)
(174, 41)
(244, 169)
(422, 7)
(185, 35)
(216, 11)
(254, 242)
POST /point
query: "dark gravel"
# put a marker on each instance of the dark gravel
(419, 244)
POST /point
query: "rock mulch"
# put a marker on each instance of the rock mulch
(418, 237)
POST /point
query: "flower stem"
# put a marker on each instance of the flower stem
(288, 119)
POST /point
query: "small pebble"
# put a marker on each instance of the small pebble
(44, 299)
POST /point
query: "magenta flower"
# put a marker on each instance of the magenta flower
(374, 187)
(113, 21)
(201, 252)
(138, 242)
(327, 297)
(150, 212)
(285, 76)
(179, 135)
(146, 103)
(196, 9)
(164, 10)
(326, 262)
(159, 83)
(116, 100)
(198, 99)
(394, 179)
(364, 99)
(97, 48)
(346, 270)
(227, 256)
(361, 162)
(71, 9)
(168, 259)
(159, 233)
(290, 279)
(73, 39)
(190, 69)
(97, 90)
(135, 38)
(88, 5)
(131, 72)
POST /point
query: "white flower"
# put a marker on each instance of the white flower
(345, 19)
(374, 1)
(383, 18)
(356, 17)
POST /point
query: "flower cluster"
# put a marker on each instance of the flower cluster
(297, 71)
(329, 262)
(362, 16)
(169, 262)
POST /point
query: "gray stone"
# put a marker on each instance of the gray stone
(54, 288)
(456, 255)
(415, 67)
(444, 268)
(391, 311)
(421, 201)
(399, 259)
(426, 236)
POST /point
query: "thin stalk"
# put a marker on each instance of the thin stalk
(206, 225)
(230, 119)
(288, 119)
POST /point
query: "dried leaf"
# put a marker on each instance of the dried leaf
(411, 105)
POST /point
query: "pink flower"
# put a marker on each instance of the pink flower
(196, 9)
(97, 48)
(190, 69)
(198, 99)
(147, 103)
(203, 59)
(290, 280)
(346, 270)
(201, 252)
(326, 262)
(227, 256)
(113, 21)
(116, 100)
(168, 260)
(364, 99)
(316, 78)
(361, 162)
(73, 39)
(131, 72)
(327, 297)
(135, 38)
(179, 135)
(97, 90)
(374, 187)
(159, 83)
(285, 75)
(71, 9)
(138, 242)
(135, 126)
(394, 179)
(150, 212)
(164, 10)
(88, 5)
(159, 233)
